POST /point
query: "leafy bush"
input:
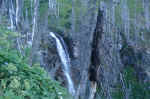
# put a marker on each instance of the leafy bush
(20, 81)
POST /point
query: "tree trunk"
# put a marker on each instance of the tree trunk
(84, 37)
(35, 35)
(95, 58)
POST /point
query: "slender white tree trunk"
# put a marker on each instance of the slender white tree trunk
(126, 18)
(35, 35)
(92, 90)
(34, 18)
(147, 13)
(11, 13)
(17, 12)
(73, 19)
(31, 6)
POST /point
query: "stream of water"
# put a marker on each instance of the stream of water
(65, 59)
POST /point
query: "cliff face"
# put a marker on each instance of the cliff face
(107, 40)
(104, 62)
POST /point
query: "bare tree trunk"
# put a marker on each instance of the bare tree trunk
(126, 19)
(147, 13)
(1, 1)
(11, 14)
(73, 19)
(92, 90)
(85, 38)
(35, 35)
(17, 12)
(31, 6)
(95, 58)
(34, 27)
(19, 7)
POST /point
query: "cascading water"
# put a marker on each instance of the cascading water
(64, 57)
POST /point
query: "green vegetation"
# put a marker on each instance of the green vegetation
(136, 89)
(20, 81)
(129, 86)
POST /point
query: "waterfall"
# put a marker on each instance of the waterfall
(64, 57)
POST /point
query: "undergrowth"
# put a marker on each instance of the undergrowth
(18, 80)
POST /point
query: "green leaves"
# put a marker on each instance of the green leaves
(15, 83)
(7, 38)
(24, 81)
(20, 81)
(11, 68)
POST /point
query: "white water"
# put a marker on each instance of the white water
(64, 57)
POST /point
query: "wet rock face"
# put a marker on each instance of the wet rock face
(59, 76)
(76, 75)
(50, 60)
(73, 48)
(52, 64)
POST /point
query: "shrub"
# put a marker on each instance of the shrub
(20, 81)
